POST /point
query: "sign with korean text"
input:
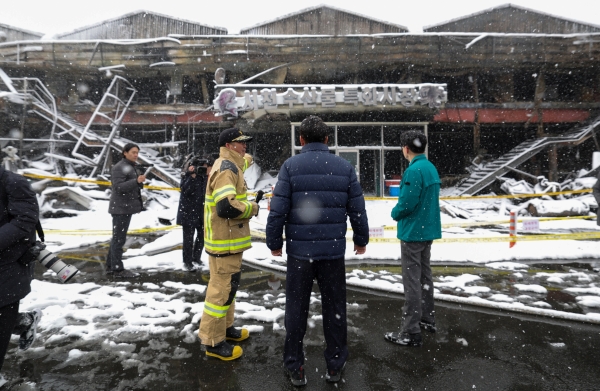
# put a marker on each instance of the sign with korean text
(531, 225)
(234, 98)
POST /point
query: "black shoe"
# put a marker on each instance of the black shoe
(237, 335)
(297, 376)
(405, 339)
(28, 336)
(427, 326)
(334, 376)
(125, 274)
(190, 268)
(224, 351)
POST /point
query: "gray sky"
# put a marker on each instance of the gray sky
(52, 17)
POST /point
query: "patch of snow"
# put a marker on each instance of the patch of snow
(531, 288)
(588, 301)
(501, 297)
(506, 265)
(541, 304)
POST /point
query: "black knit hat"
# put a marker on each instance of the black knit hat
(231, 135)
(415, 141)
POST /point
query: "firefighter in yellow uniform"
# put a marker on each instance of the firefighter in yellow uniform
(227, 214)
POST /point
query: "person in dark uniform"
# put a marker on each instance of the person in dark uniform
(19, 214)
(125, 201)
(190, 214)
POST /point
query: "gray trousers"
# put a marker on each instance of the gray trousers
(418, 285)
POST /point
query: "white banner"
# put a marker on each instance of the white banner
(232, 98)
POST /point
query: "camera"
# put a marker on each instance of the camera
(50, 261)
(198, 163)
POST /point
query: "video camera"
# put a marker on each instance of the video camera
(198, 163)
(50, 261)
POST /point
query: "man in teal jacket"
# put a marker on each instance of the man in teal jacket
(418, 215)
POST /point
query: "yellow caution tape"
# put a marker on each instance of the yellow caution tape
(484, 223)
(507, 238)
(469, 198)
(475, 198)
(269, 195)
(258, 234)
(107, 232)
(93, 181)
(66, 179)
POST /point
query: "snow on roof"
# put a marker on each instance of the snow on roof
(507, 5)
(133, 14)
(305, 10)
(6, 26)
(176, 38)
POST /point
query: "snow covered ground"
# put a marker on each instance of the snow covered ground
(558, 279)
(526, 287)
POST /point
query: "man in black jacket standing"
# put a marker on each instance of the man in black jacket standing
(125, 201)
(315, 193)
(190, 214)
(19, 214)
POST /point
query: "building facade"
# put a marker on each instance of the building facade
(497, 86)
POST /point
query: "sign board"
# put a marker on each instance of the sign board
(376, 232)
(530, 225)
(233, 98)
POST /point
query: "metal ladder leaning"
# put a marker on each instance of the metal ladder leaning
(487, 174)
(116, 101)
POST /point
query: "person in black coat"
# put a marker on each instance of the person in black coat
(190, 214)
(596, 193)
(315, 194)
(19, 214)
(125, 201)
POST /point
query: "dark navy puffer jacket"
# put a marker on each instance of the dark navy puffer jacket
(315, 193)
(19, 213)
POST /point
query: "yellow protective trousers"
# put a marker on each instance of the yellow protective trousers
(219, 305)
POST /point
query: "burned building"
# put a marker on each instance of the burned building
(478, 86)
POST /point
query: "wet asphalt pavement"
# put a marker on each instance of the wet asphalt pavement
(474, 348)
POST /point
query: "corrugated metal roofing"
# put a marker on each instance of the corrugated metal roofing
(338, 22)
(142, 24)
(12, 33)
(510, 18)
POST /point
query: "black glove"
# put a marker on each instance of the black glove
(259, 196)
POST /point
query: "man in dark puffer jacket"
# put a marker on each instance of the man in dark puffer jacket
(19, 213)
(315, 193)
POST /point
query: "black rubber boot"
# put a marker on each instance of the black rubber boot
(224, 351)
(237, 335)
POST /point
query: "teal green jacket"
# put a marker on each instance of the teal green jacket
(418, 209)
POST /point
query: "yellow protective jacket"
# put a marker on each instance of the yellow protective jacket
(227, 211)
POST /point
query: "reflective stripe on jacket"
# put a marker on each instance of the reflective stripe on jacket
(227, 235)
